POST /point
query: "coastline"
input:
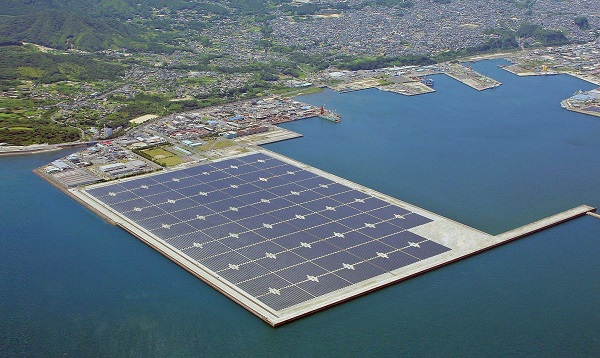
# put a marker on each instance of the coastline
(11, 150)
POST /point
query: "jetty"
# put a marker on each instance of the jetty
(469, 77)
(411, 88)
(275, 134)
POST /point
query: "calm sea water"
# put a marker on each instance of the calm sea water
(73, 285)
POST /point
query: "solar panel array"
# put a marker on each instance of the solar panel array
(282, 234)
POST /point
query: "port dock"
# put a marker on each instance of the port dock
(469, 77)
(275, 134)
(411, 88)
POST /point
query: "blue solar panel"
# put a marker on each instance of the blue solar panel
(295, 239)
(272, 205)
(283, 259)
(188, 240)
(360, 272)
(252, 158)
(181, 229)
(164, 197)
(159, 221)
(426, 249)
(283, 169)
(192, 212)
(210, 175)
(209, 197)
(393, 261)
(281, 233)
(204, 222)
(260, 285)
(131, 204)
(410, 221)
(241, 212)
(242, 189)
(358, 221)
(380, 229)
(222, 261)
(349, 239)
(302, 197)
(257, 221)
(180, 182)
(298, 175)
(339, 212)
(229, 163)
(137, 183)
(229, 182)
(290, 211)
(321, 204)
(260, 250)
(370, 250)
(315, 182)
(389, 212)
(301, 272)
(146, 190)
(208, 250)
(226, 204)
(195, 189)
(336, 261)
(368, 204)
(118, 197)
(239, 169)
(401, 239)
(243, 239)
(166, 177)
(349, 196)
(224, 230)
(179, 204)
(288, 297)
(325, 284)
(286, 189)
(328, 230)
(271, 182)
(308, 221)
(104, 190)
(244, 272)
(255, 176)
(274, 230)
(139, 213)
(173, 230)
(315, 249)
(256, 197)
(268, 163)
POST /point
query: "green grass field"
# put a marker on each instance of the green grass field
(163, 156)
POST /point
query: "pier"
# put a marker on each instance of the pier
(412, 88)
(275, 134)
(469, 77)
(545, 223)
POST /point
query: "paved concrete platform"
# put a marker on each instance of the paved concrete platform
(463, 241)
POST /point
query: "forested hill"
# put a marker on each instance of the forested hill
(92, 24)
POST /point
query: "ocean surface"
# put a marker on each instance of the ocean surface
(73, 285)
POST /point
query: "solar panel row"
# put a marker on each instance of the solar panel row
(280, 233)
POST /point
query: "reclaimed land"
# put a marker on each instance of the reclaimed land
(464, 242)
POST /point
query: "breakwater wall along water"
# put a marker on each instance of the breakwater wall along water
(594, 215)
(545, 223)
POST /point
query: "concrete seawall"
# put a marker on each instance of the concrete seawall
(544, 223)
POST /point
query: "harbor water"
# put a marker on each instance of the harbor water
(74, 285)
